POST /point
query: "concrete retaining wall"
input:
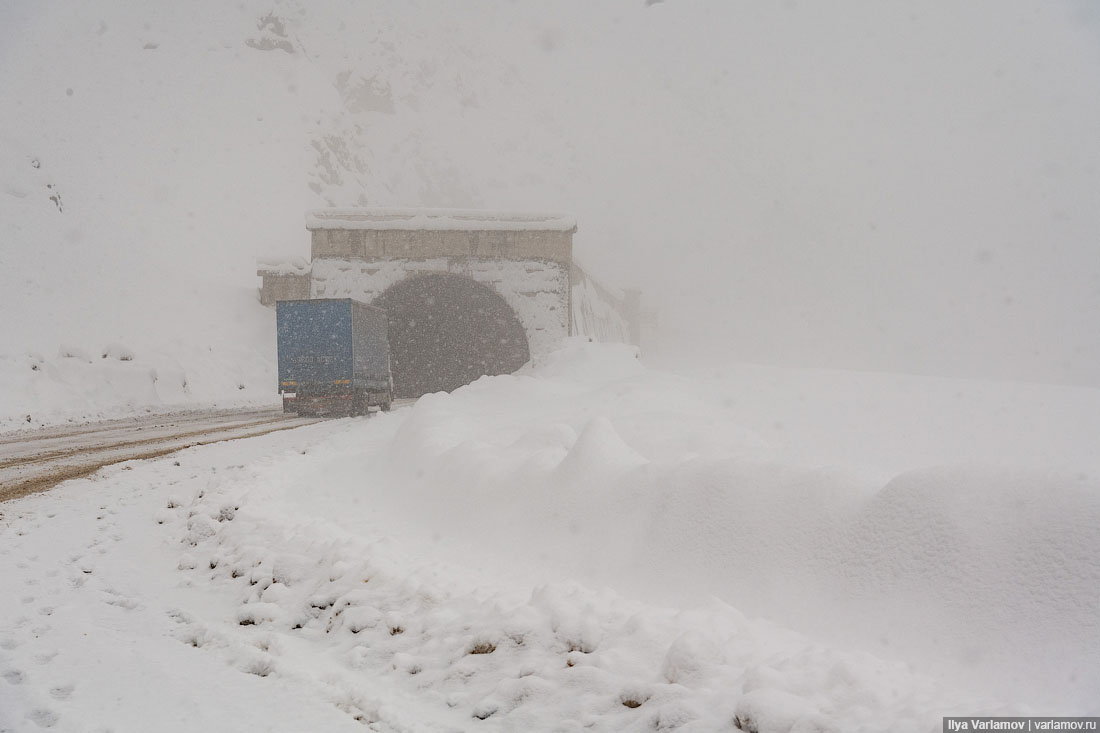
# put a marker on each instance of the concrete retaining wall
(602, 313)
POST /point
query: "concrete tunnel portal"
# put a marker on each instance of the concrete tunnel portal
(446, 330)
(469, 292)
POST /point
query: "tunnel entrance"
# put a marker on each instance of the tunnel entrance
(447, 330)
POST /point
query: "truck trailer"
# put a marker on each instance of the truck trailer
(334, 356)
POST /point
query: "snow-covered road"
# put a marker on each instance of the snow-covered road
(33, 461)
(93, 602)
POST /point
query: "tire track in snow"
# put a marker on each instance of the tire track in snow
(25, 471)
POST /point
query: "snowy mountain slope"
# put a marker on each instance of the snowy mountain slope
(872, 187)
(150, 155)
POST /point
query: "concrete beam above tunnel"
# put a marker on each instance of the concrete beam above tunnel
(428, 233)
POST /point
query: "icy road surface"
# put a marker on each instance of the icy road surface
(35, 461)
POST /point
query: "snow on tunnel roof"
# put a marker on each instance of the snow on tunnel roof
(438, 219)
(274, 265)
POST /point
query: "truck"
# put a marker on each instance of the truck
(334, 356)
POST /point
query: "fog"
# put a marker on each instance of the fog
(815, 200)
(887, 186)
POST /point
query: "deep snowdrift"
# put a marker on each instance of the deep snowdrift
(589, 545)
(596, 470)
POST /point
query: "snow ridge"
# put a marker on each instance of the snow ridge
(565, 658)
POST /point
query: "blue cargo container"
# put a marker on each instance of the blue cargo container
(334, 356)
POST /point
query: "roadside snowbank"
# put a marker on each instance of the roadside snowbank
(597, 470)
(555, 656)
(76, 383)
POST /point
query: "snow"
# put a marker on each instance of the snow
(75, 387)
(276, 265)
(591, 544)
(438, 220)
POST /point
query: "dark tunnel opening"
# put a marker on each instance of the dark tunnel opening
(447, 330)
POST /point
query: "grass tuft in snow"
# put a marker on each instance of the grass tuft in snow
(483, 647)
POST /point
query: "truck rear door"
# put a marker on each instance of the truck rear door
(314, 344)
